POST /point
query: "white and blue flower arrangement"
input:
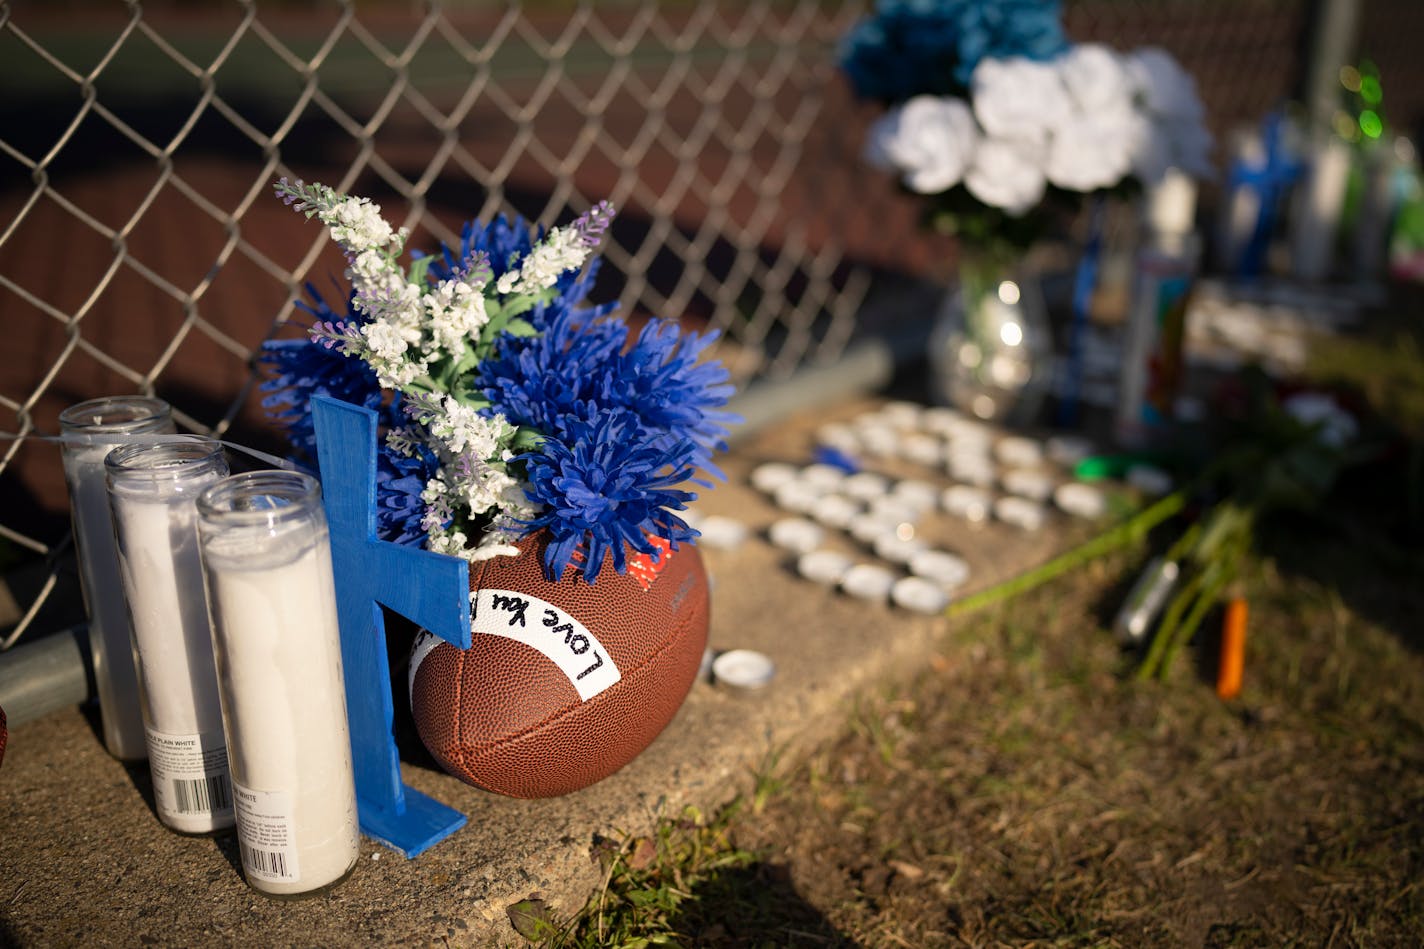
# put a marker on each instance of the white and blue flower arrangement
(996, 118)
(508, 403)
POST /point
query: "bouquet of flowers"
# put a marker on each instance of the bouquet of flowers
(993, 115)
(507, 405)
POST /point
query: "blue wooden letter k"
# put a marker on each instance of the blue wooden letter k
(429, 589)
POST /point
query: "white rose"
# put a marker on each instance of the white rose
(1152, 151)
(929, 141)
(1092, 150)
(1164, 86)
(1097, 79)
(1018, 98)
(1007, 174)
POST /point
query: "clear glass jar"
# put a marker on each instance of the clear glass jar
(91, 429)
(267, 566)
(153, 492)
(991, 351)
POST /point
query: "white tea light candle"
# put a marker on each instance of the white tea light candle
(91, 429)
(153, 491)
(267, 565)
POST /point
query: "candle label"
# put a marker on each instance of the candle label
(543, 626)
(189, 773)
(266, 834)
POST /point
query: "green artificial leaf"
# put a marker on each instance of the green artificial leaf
(522, 328)
(420, 269)
(526, 439)
(468, 360)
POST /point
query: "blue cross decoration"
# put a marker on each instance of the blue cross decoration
(429, 589)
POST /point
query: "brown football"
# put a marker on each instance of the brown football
(564, 682)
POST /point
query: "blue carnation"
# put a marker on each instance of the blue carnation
(605, 488)
(400, 510)
(580, 361)
(914, 47)
(540, 381)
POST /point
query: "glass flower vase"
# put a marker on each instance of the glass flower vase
(991, 349)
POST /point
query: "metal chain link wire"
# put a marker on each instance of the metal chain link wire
(141, 250)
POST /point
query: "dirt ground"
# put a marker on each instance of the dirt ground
(1028, 791)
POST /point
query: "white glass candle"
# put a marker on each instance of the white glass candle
(153, 491)
(267, 565)
(91, 429)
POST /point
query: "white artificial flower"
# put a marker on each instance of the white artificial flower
(1007, 174)
(484, 491)
(404, 308)
(371, 270)
(462, 430)
(929, 141)
(1097, 78)
(1163, 85)
(1190, 146)
(385, 339)
(456, 313)
(395, 373)
(443, 540)
(356, 224)
(1018, 99)
(562, 249)
(1093, 150)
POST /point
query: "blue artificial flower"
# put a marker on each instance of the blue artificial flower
(606, 488)
(540, 381)
(543, 381)
(660, 379)
(913, 47)
(400, 511)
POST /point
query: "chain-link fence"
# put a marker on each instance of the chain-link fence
(141, 250)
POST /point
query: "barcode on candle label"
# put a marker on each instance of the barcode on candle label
(201, 795)
(189, 773)
(543, 626)
(266, 834)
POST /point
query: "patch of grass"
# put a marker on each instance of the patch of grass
(1026, 789)
(691, 882)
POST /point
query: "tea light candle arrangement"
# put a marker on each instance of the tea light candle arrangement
(90, 430)
(267, 566)
(153, 491)
(992, 477)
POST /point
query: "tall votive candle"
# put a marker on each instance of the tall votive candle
(267, 567)
(90, 431)
(153, 492)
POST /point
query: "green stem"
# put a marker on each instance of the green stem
(1217, 548)
(1128, 532)
(1152, 662)
(1215, 578)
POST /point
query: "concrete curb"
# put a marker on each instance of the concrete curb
(78, 823)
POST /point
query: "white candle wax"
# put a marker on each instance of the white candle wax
(284, 705)
(152, 490)
(91, 429)
(115, 677)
